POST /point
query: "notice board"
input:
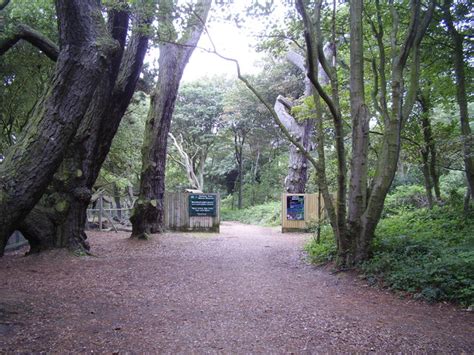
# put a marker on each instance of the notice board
(202, 205)
(295, 208)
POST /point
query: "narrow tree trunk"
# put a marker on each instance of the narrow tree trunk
(461, 96)
(118, 202)
(428, 152)
(360, 134)
(425, 168)
(241, 185)
(148, 214)
(30, 164)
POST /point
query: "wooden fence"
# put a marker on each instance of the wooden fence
(300, 210)
(178, 207)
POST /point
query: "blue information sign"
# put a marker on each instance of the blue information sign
(295, 208)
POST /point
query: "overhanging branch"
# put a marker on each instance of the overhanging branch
(3, 4)
(37, 39)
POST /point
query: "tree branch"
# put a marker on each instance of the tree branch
(3, 4)
(37, 39)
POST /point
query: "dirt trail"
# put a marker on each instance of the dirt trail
(245, 290)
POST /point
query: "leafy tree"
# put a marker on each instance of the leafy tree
(195, 127)
(458, 37)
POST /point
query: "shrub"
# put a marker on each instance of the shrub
(405, 197)
(429, 253)
(268, 214)
(323, 251)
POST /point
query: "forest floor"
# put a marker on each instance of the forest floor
(245, 290)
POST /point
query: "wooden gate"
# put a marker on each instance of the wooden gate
(192, 212)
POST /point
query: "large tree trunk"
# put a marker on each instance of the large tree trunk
(295, 181)
(148, 214)
(72, 186)
(461, 96)
(29, 166)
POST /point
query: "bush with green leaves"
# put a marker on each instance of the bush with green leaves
(405, 197)
(428, 253)
(324, 250)
(268, 214)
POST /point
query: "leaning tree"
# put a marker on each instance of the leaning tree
(58, 220)
(85, 50)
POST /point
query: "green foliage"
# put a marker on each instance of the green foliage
(405, 197)
(123, 163)
(428, 253)
(24, 69)
(268, 214)
(323, 251)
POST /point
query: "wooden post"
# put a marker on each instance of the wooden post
(101, 210)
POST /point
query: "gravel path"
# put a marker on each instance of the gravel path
(247, 290)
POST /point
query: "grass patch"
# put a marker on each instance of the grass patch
(268, 214)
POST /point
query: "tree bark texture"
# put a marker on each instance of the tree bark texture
(401, 107)
(26, 33)
(85, 49)
(461, 96)
(148, 212)
(71, 189)
(360, 133)
(428, 152)
(295, 181)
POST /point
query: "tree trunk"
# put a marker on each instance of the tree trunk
(428, 152)
(30, 164)
(461, 96)
(118, 202)
(71, 189)
(401, 106)
(360, 135)
(425, 168)
(295, 181)
(148, 214)
(241, 185)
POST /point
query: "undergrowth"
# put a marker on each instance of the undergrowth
(268, 214)
(428, 253)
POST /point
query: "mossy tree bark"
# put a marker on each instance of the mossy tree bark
(147, 216)
(85, 50)
(65, 204)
